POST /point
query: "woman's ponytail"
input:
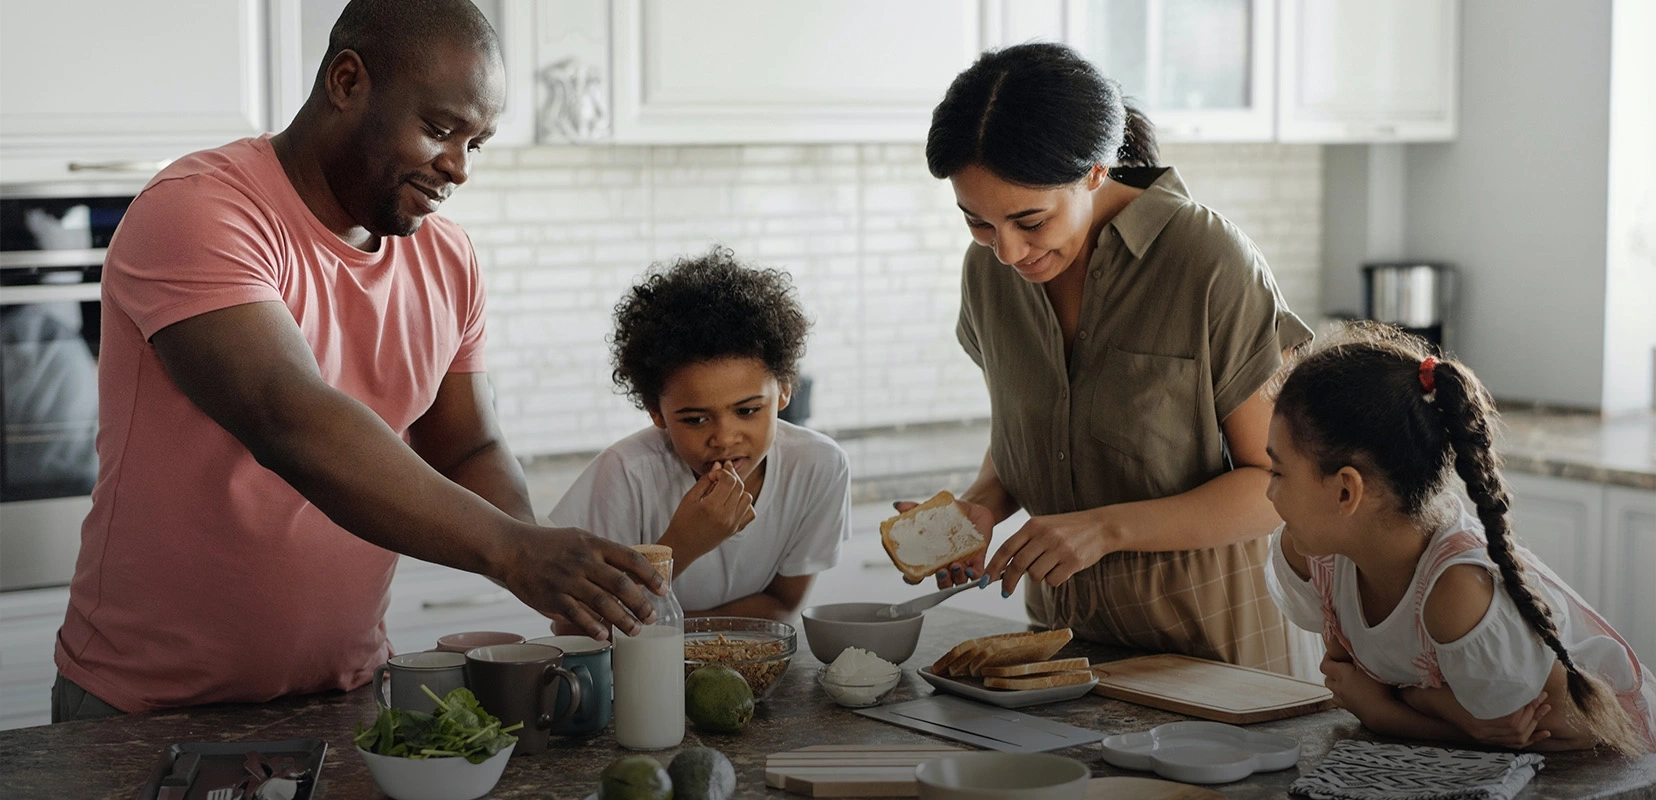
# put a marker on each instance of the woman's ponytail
(1138, 141)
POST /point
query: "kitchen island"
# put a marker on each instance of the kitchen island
(113, 758)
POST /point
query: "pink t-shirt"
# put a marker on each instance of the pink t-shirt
(203, 577)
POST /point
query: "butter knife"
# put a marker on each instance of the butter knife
(926, 601)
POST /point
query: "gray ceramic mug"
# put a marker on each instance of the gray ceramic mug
(519, 683)
(442, 672)
(589, 659)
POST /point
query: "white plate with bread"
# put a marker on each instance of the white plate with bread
(1012, 670)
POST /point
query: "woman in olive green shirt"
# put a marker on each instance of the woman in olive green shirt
(1125, 333)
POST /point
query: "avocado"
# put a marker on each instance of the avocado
(635, 778)
(717, 699)
(702, 773)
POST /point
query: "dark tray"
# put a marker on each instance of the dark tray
(221, 765)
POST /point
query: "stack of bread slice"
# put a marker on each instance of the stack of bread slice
(1015, 661)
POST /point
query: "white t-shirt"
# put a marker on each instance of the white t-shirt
(629, 492)
(1494, 669)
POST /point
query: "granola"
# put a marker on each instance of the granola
(754, 659)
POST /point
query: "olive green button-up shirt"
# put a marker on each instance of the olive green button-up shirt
(1180, 323)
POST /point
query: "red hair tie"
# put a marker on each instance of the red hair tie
(1428, 375)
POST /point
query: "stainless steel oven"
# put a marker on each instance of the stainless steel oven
(52, 243)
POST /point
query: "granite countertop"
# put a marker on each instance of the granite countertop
(1620, 451)
(113, 758)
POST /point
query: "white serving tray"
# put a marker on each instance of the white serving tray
(1006, 698)
(1201, 752)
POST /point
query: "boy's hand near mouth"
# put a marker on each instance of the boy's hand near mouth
(712, 511)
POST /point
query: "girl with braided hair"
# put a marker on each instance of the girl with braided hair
(1439, 625)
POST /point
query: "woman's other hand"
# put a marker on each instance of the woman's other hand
(1050, 549)
(961, 571)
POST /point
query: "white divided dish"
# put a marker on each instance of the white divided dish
(1201, 752)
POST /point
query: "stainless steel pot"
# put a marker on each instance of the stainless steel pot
(1417, 296)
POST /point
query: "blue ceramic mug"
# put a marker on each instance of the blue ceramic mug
(589, 659)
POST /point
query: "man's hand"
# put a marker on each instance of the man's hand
(569, 574)
(712, 511)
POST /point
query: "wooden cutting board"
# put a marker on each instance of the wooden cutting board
(1209, 689)
(1146, 789)
(851, 770)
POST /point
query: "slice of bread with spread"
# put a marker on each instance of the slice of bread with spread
(930, 537)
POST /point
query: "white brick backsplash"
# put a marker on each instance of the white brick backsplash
(872, 240)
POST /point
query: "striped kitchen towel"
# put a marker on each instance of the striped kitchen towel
(1372, 771)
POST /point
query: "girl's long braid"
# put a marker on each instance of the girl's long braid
(1467, 412)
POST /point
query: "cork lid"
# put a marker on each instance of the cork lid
(660, 557)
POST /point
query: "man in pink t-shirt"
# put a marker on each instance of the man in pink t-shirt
(291, 392)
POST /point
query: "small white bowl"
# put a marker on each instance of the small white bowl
(1002, 776)
(436, 778)
(858, 695)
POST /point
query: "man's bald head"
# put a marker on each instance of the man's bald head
(391, 35)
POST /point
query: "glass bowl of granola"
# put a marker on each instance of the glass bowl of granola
(759, 649)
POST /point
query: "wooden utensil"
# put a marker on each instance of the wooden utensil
(851, 770)
(1146, 789)
(1209, 689)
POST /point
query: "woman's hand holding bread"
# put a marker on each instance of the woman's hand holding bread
(933, 538)
(714, 509)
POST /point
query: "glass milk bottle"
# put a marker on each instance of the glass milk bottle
(649, 669)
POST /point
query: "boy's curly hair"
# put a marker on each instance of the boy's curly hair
(702, 309)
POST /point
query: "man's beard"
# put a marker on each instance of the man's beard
(389, 219)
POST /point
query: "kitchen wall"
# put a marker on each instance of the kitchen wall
(870, 237)
(1518, 200)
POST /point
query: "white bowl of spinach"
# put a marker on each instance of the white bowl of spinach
(456, 753)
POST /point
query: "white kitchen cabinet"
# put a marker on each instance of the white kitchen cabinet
(90, 85)
(1361, 71)
(1630, 578)
(300, 39)
(1202, 70)
(1562, 522)
(29, 621)
(727, 71)
(1601, 540)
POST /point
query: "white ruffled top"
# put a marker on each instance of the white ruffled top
(1494, 669)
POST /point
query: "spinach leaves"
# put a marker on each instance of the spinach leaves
(459, 727)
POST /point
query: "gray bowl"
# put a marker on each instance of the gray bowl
(831, 628)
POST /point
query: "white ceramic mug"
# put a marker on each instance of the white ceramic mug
(441, 672)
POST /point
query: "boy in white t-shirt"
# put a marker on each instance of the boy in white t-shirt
(752, 506)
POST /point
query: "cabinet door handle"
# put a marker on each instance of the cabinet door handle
(484, 599)
(119, 166)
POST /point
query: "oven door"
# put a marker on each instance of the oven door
(48, 458)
